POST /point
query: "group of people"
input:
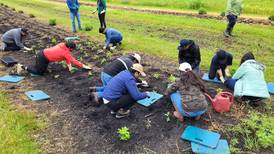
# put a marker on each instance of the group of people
(121, 78)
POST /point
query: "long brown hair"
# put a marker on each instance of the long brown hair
(189, 79)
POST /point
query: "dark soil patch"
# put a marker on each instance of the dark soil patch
(78, 125)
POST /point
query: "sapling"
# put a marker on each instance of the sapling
(171, 78)
(53, 40)
(73, 69)
(219, 90)
(156, 75)
(63, 63)
(167, 116)
(124, 133)
(103, 61)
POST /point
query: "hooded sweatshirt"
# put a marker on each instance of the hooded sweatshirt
(13, 36)
(250, 80)
(234, 7)
(191, 55)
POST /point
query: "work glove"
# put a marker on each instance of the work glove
(87, 67)
(27, 49)
(69, 67)
(102, 11)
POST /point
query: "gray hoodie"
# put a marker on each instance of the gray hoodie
(13, 36)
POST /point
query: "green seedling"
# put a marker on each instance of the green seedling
(202, 11)
(157, 75)
(53, 40)
(109, 55)
(88, 27)
(31, 15)
(63, 63)
(167, 116)
(147, 123)
(124, 134)
(20, 11)
(103, 61)
(222, 14)
(90, 74)
(271, 17)
(13, 9)
(73, 70)
(219, 90)
(172, 78)
(52, 22)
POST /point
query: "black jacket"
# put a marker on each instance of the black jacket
(191, 55)
(117, 66)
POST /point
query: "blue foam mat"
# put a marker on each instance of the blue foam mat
(37, 95)
(206, 78)
(153, 97)
(222, 148)
(201, 136)
(270, 87)
(11, 78)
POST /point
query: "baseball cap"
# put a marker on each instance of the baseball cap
(139, 68)
(185, 67)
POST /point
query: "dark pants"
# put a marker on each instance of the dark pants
(213, 72)
(11, 47)
(231, 23)
(125, 102)
(41, 64)
(230, 83)
(102, 19)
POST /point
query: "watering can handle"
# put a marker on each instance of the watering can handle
(230, 96)
(209, 97)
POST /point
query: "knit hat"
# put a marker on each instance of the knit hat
(139, 68)
(185, 67)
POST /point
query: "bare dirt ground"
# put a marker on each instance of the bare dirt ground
(77, 125)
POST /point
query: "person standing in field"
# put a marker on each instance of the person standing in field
(233, 10)
(101, 8)
(73, 6)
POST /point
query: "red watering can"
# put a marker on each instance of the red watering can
(222, 101)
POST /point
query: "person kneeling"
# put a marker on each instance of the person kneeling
(248, 81)
(60, 52)
(121, 92)
(113, 37)
(187, 94)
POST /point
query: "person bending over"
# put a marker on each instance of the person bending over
(113, 37)
(187, 94)
(121, 92)
(60, 52)
(248, 81)
(220, 65)
(13, 40)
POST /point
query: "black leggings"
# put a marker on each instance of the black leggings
(11, 47)
(102, 19)
(40, 66)
(125, 102)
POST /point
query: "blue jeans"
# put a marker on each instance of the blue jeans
(105, 78)
(230, 83)
(177, 101)
(77, 15)
(231, 22)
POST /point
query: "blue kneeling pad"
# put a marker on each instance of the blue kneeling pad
(206, 78)
(270, 87)
(153, 97)
(201, 136)
(37, 95)
(11, 78)
(222, 148)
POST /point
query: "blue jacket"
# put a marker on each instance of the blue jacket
(122, 84)
(113, 36)
(73, 5)
(250, 80)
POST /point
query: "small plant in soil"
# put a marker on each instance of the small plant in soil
(147, 123)
(103, 61)
(31, 15)
(167, 116)
(271, 17)
(20, 11)
(196, 4)
(52, 22)
(63, 63)
(1, 4)
(222, 14)
(218, 90)
(202, 11)
(88, 27)
(13, 9)
(124, 133)
(109, 55)
(6, 6)
(172, 78)
(53, 40)
(90, 74)
(157, 75)
(256, 131)
(73, 70)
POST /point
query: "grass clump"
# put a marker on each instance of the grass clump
(13, 9)
(16, 128)
(222, 14)
(31, 15)
(124, 134)
(202, 11)
(88, 27)
(171, 79)
(271, 17)
(196, 4)
(256, 131)
(52, 22)
(20, 11)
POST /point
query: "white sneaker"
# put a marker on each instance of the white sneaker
(122, 113)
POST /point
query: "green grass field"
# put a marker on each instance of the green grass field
(159, 35)
(251, 7)
(16, 128)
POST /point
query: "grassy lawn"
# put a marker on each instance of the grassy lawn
(251, 7)
(16, 128)
(159, 34)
